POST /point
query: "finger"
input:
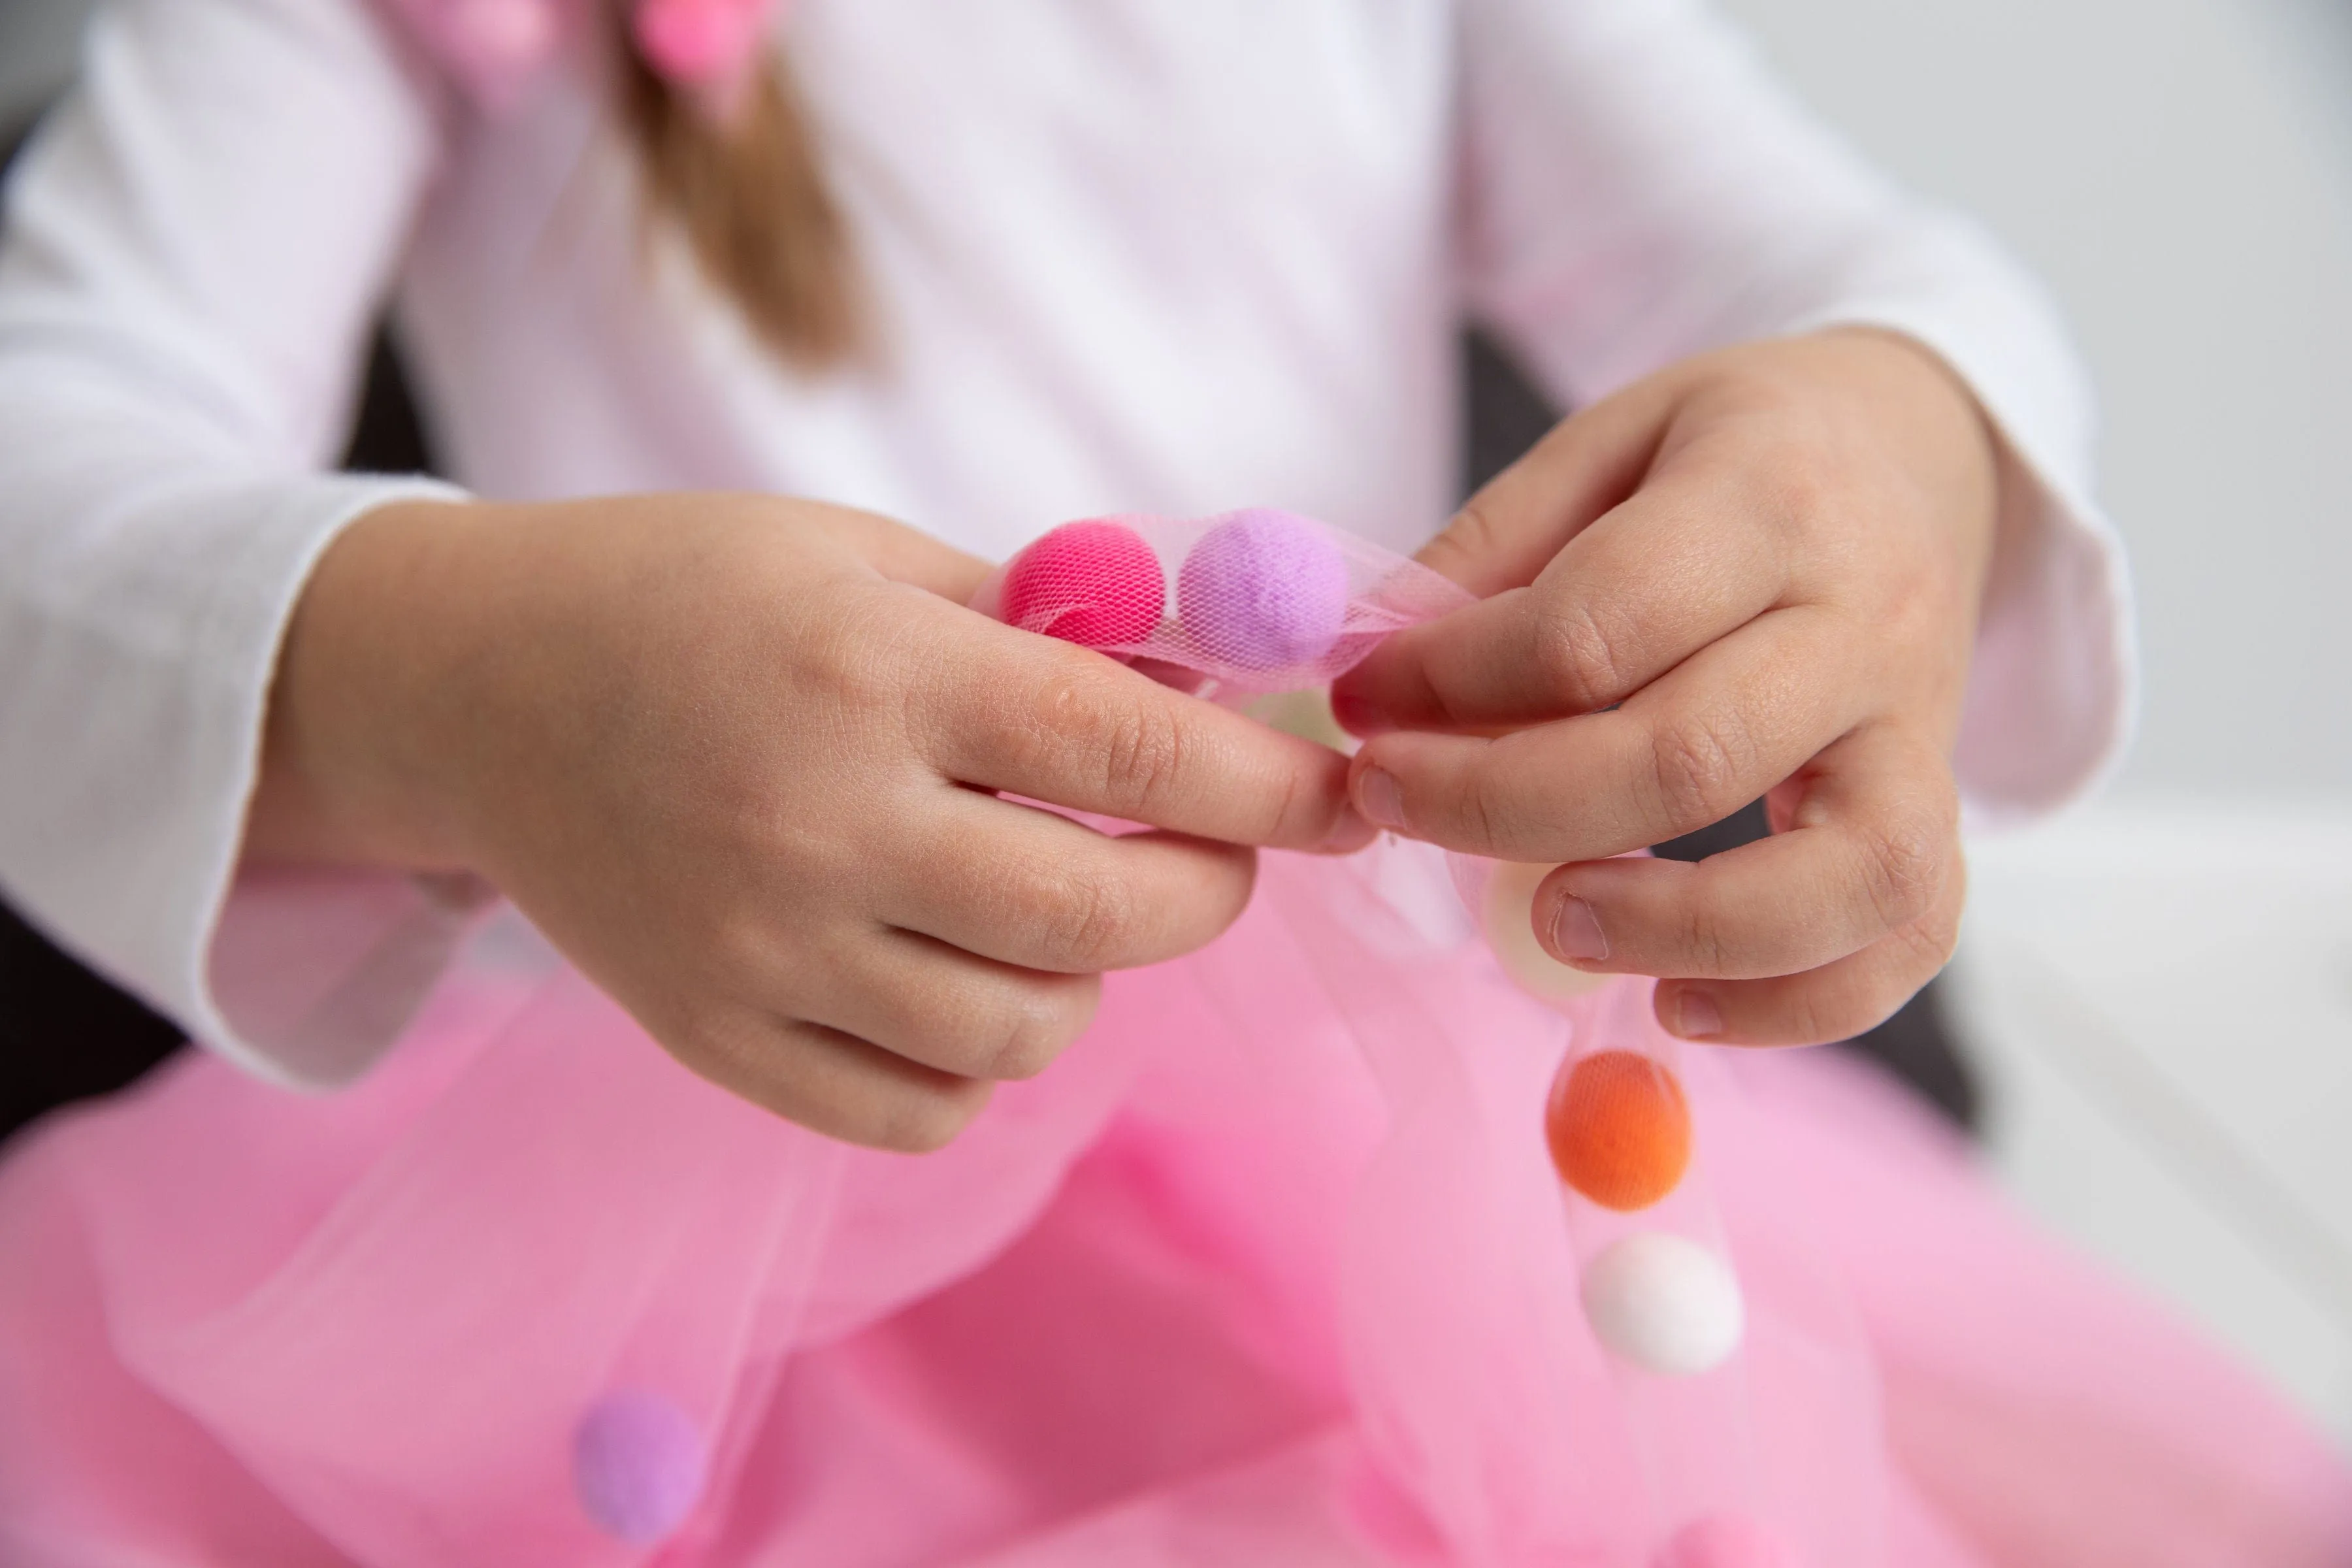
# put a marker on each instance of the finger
(833, 1083)
(1503, 535)
(1682, 562)
(921, 999)
(1687, 750)
(1835, 1002)
(1875, 833)
(1028, 888)
(1054, 722)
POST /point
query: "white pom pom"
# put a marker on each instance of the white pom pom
(1510, 919)
(1664, 1303)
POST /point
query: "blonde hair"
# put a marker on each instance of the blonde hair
(749, 194)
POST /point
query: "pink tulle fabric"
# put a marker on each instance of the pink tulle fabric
(1271, 1268)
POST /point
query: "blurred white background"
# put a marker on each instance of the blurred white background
(2158, 986)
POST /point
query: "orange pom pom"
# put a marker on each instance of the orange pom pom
(1619, 1129)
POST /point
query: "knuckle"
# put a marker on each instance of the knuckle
(1799, 1019)
(1904, 863)
(1819, 1020)
(1699, 765)
(1913, 607)
(1091, 921)
(1142, 756)
(1704, 951)
(912, 1120)
(1931, 941)
(1579, 657)
(849, 666)
(1793, 483)
(1473, 530)
(1819, 1013)
(1039, 1025)
(762, 1062)
(1490, 815)
(1841, 1012)
(1133, 748)
(1288, 805)
(1872, 1006)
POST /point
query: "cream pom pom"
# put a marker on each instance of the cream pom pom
(1664, 1303)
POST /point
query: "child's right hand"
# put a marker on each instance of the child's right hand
(733, 755)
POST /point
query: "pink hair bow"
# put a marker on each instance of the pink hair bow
(495, 46)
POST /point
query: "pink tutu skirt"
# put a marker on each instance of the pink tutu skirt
(1271, 1268)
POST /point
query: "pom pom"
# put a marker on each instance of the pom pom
(700, 43)
(1263, 590)
(1664, 1303)
(1725, 1541)
(1508, 914)
(1265, 602)
(1095, 584)
(638, 1465)
(1619, 1129)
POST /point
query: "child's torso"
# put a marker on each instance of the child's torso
(1126, 256)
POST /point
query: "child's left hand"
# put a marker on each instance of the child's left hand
(1754, 574)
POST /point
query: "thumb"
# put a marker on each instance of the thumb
(1500, 542)
(1586, 464)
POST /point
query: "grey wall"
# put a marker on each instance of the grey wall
(37, 45)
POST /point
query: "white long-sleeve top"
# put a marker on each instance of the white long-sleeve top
(1130, 255)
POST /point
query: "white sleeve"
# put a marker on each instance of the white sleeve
(1638, 189)
(195, 246)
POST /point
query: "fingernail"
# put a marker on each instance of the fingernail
(1696, 1016)
(1576, 932)
(1349, 834)
(1378, 795)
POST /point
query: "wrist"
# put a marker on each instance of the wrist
(358, 738)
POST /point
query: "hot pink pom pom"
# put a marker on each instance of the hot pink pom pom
(638, 1465)
(495, 47)
(700, 43)
(1095, 584)
(1725, 1541)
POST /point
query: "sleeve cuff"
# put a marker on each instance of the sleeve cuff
(312, 976)
(2054, 689)
(306, 977)
(143, 683)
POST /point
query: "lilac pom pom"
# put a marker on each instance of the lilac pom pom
(1725, 1541)
(1263, 590)
(637, 1465)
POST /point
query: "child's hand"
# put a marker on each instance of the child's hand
(734, 755)
(1765, 564)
